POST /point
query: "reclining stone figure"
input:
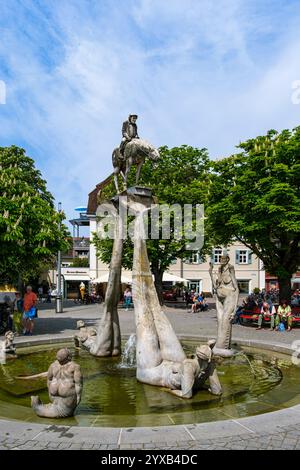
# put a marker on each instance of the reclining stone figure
(85, 337)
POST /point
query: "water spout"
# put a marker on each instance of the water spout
(241, 353)
(128, 359)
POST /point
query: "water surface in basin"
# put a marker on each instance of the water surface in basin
(253, 382)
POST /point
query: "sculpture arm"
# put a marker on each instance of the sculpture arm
(213, 281)
(124, 131)
(78, 382)
(215, 386)
(233, 278)
(50, 376)
(187, 382)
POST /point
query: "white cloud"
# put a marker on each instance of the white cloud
(195, 72)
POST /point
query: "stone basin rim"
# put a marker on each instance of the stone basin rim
(266, 423)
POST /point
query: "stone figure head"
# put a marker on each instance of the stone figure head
(204, 353)
(9, 336)
(64, 356)
(224, 259)
(154, 155)
(80, 324)
(132, 118)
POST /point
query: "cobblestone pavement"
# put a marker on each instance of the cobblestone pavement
(288, 438)
(261, 433)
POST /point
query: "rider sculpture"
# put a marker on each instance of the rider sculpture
(132, 151)
(129, 132)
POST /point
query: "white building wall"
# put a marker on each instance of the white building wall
(251, 273)
(93, 257)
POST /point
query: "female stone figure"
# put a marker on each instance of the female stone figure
(64, 381)
(159, 355)
(227, 293)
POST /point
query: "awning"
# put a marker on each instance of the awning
(126, 278)
(168, 277)
(77, 277)
(296, 280)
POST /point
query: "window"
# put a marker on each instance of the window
(195, 285)
(244, 286)
(243, 257)
(217, 253)
(195, 258)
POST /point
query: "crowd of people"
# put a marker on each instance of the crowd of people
(19, 314)
(268, 306)
(196, 300)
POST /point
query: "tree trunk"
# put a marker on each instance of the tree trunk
(158, 284)
(285, 289)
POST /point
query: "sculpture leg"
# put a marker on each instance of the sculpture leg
(127, 170)
(156, 339)
(116, 182)
(108, 339)
(225, 311)
(214, 382)
(138, 171)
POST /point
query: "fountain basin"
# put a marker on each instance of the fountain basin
(261, 382)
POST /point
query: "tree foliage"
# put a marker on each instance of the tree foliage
(29, 224)
(255, 198)
(181, 176)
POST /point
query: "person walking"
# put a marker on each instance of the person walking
(40, 293)
(29, 311)
(127, 298)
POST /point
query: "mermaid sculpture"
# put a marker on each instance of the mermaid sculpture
(64, 381)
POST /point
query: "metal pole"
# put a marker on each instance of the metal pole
(59, 303)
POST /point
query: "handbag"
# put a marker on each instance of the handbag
(32, 313)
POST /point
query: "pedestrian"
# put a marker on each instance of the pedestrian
(29, 311)
(49, 295)
(127, 297)
(40, 293)
(82, 291)
(197, 302)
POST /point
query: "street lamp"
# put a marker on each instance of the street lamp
(59, 303)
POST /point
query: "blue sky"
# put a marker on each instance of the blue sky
(197, 72)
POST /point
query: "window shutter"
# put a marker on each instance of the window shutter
(237, 256)
(212, 257)
(249, 257)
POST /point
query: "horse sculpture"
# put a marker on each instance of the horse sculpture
(135, 153)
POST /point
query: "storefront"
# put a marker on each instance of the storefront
(72, 278)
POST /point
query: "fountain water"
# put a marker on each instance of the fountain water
(128, 359)
(241, 353)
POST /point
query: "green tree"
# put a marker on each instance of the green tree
(255, 198)
(29, 224)
(80, 263)
(181, 176)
